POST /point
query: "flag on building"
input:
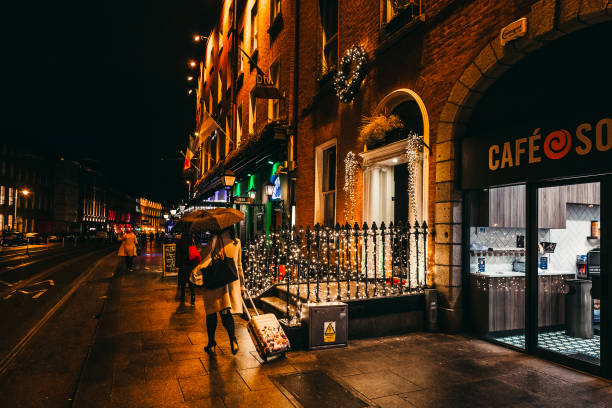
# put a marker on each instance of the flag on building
(188, 157)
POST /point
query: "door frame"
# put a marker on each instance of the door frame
(604, 369)
(531, 271)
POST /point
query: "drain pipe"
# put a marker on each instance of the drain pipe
(293, 133)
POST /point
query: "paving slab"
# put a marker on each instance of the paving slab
(149, 352)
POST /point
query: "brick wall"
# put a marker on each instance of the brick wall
(429, 61)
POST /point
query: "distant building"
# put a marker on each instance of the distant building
(25, 182)
(150, 215)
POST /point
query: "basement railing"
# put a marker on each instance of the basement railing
(324, 264)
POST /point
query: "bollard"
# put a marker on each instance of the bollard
(431, 310)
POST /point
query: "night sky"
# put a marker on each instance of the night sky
(105, 81)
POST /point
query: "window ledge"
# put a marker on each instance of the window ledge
(276, 26)
(389, 38)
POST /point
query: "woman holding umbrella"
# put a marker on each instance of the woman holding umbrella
(225, 300)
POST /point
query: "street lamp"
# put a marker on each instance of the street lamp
(198, 38)
(25, 193)
(252, 192)
(228, 180)
(192, 64)
(269, 189)
(188, 190)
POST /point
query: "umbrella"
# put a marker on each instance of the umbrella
(213, 220)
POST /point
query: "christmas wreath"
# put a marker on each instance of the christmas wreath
(347, 82)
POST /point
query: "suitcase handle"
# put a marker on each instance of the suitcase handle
(246, 309)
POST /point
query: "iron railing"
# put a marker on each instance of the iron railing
(323, 264)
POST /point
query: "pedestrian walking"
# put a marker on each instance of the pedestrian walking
(127, 250)
(187, 258)
(225, 300)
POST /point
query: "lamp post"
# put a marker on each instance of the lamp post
(268, 190)
(228, 180)
(25, 193)
(188, 190)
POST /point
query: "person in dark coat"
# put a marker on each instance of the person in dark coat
(185, 265)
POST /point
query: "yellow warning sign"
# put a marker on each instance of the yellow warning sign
(329, 333)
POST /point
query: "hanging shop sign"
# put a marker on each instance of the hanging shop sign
(513, 31)
(265, 88)
(538, 151)
(243, 200)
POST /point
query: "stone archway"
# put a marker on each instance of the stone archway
(547, 21)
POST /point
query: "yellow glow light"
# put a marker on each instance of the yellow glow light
(25, 192)
(192, 64)
(190, 78)
(197, 38)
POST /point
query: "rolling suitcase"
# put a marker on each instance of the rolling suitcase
(267, 334)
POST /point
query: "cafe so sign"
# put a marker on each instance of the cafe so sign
(556, 145)
(546, 152)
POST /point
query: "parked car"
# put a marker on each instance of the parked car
(13, 239)
(35, 238)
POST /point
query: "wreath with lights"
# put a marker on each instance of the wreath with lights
(347, 81)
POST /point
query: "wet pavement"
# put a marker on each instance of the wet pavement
(148, 352)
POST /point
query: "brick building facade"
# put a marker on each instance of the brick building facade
(436, 58)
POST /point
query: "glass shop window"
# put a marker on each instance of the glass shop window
(497, 263)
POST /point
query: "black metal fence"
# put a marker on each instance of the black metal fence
(324, 264)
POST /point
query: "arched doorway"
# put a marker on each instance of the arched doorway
(385, 168)
(536, 166)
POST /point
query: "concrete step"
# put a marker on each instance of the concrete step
(277, 306)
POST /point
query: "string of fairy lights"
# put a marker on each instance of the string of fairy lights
(350, 175)
(324, 264)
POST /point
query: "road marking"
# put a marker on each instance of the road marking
(6, 362)
(45, 281)
(36, 296)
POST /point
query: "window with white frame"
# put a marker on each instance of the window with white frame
(229, 143)
(329, 26)
(325, 183)
(240, 54)
(252, 112)
(254, 27)
(10, 196)
(1, 222)
(238, 125)
(2, 195)
(275, 9)
(274, 104)
(220, 87)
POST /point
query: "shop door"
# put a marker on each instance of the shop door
(565, 274)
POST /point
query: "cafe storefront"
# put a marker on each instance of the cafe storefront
(536, 171)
